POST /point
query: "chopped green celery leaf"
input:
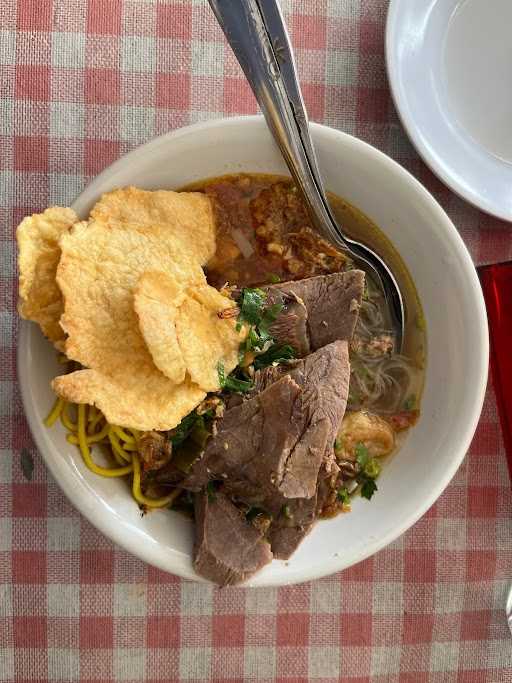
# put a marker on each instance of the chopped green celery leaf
(222, 374)
(368, 488)
(253, 341)
(372, 468)
(362, 454)
(182, 431)
(233, 384)
(273, 278)
(343, 495)
(275, 354)
(338, 444)
(251, 303)
(263, 337)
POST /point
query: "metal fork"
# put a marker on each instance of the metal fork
(257, 34)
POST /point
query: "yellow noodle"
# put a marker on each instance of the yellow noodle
(94, 422)
(130, 447)
(86, 453)
(55, 412)
(117, 457)
(91, 438)
(123, 443)
(117, 449)
(119, 432)
(66, 420)
(144, 500)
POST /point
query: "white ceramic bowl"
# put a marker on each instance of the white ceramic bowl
(457, 349)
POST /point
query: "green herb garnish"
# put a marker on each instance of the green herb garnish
(238, 385)
(362, 454)
(368, 488)
(232, 383)
(275, 354)
(343, 495)
(251, 303)
(182, 431)
(273, 278)
(372, 468)
(338, 444)
(255, 312)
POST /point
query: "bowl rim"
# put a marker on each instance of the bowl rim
(131, 543)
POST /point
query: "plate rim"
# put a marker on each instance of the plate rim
(439, 170)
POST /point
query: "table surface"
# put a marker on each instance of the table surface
(80, 84)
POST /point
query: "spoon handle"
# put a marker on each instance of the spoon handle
(257, 34)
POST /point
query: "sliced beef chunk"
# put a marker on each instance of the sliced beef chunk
(323, 376)
(291, 525)
(284, 540)
(264, 378)
(270, 448)
(228, 549)
(253, 441)
(297, 517)
(332, 304)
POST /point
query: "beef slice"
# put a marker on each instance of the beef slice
(331, 303)
(270, 448)
(227, 549)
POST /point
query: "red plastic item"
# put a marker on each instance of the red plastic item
(496, 283)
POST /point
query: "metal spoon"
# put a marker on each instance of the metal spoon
(257, 34)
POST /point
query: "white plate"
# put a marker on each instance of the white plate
(457, 354)
(450, 69)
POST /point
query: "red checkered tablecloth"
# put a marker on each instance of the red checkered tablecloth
(80, 84)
